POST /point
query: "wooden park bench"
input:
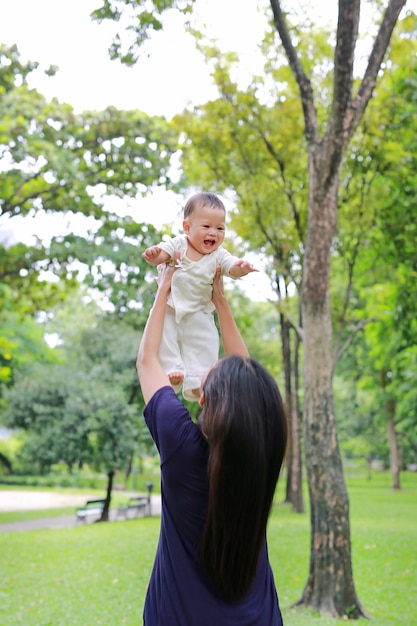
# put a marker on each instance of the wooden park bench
(134, 506)
(137, 504)
(90, 508)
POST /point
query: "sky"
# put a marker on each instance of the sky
(62, 33)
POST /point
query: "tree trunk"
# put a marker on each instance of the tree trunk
(393, 446)
(330, 587)
(294, 492)
(105, 514)
(394, 456)
(129, 469)
(297, 499)
(5, 462)
(286, 359)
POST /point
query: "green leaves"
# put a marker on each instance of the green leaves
(55, 162)
(137, 18)
(85, 409)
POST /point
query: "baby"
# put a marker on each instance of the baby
(190, 342)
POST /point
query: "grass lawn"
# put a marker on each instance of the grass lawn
(8, 517)
(98, 573)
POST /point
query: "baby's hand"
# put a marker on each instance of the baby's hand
(241, 268)
(151, 253)
(155, 255)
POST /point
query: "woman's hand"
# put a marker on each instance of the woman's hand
(232, 340)
(151, 375)
(166, 272)
(218, 287)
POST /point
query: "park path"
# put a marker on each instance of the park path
(29, 500)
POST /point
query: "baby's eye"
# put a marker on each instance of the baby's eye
(220, 228)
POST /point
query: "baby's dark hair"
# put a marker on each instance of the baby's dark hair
(203, 199)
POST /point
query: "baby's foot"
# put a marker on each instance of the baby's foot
(193, 395)
(176, 378)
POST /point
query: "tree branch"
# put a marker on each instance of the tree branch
(287, 184)
(304, 85)
(298, 329)
(359, 326)
(284, 310)
(347, 34)
(360, 102)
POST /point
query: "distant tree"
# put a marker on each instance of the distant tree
(5, 462)
(86, 409)
(21, 339)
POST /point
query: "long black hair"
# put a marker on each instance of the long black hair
(244, 420)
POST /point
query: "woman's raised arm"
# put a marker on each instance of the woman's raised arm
(150, 373)
(232, 339)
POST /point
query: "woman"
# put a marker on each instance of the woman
(217, 482)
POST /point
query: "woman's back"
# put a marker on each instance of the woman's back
(180, 592)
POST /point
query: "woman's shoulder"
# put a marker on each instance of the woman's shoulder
(165, 400)
(169, 421)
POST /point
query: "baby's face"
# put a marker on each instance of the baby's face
(205, 229)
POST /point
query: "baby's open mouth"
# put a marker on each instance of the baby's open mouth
(209, 242)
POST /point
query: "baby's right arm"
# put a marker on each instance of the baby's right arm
(155, 255)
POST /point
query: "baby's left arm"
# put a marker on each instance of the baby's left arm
(241, 268)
